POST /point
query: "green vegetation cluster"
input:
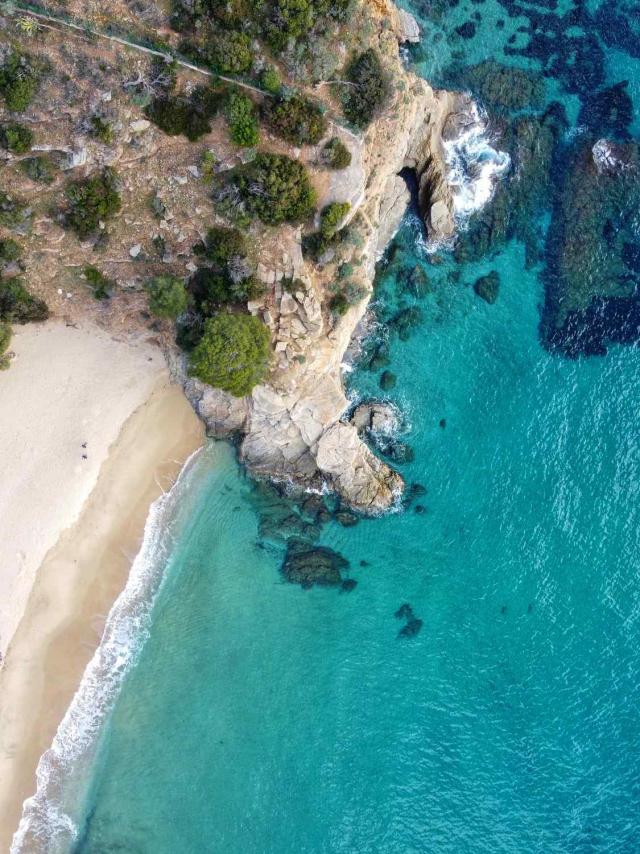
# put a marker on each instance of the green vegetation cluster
(39, 168)
(335, 154)
(168, 296)
(20, 76)
(275, 189)
(13, 212)
(102, 129)
(92, 200)
(16, 138)
(233, 353)
(189, 116)
(364, 100)
(243, 120)
(17, 305)
(296, 119)
(101, 286)
(329, 235)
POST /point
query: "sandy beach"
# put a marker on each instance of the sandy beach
(72, 526)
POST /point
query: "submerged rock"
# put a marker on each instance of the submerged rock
(411, 629)
(316, 565)
(404, 612)
(387, 380)
(487, 287)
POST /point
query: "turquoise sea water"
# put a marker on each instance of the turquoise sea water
(261, 717)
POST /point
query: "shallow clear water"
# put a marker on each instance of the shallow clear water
(265, 718)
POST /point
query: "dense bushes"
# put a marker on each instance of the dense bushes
(230, 53)
(276, 189)
(9, 250)
(363, 101)
(167, 296)
(229, 277)
(284, 20)
(16, 138)
(91, 200)
(243, 121)
(187, 116)
(315, 245)
(233, 353)
(335, 154)
(13, 212)
(101, 129)
(19, 79)
(270, 80)
(40, 168)
(101, 286)
(296, 119)
(17, 305)
(331, 217)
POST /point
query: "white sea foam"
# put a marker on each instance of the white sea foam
(47, 824)
(474, 165)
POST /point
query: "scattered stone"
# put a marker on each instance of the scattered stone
(135, 250)
(140, 125)
(487, 287)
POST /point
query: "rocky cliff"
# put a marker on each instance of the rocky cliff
(291, 427)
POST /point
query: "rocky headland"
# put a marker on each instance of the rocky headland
(293, 427)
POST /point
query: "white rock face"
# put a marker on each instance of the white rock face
(408, 29)
(370, 484)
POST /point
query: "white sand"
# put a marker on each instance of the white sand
(65, 387)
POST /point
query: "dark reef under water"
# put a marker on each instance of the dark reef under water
(580, 223)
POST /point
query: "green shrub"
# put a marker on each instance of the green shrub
(91, 200)
(243, 121)
(101, 286)
(292, 19)
(187, 116)
(12, 211)
(208, 164)
(335, 154)
(40, 169)
(221, 245)
(338, 304)
(5, 340)
(364, 100)
(17, 305)
(167, 296)
(270, 80)
(297, 119)
(101, 129)
(9, 250)
(19, 80)
(16, 138)
(233, 353)
(276, 189)
(230, 53)
(211, 288)
(331, 217)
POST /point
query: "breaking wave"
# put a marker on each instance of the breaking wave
(47, 823)
(474, 165)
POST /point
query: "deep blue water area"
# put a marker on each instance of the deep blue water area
(264, 717)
